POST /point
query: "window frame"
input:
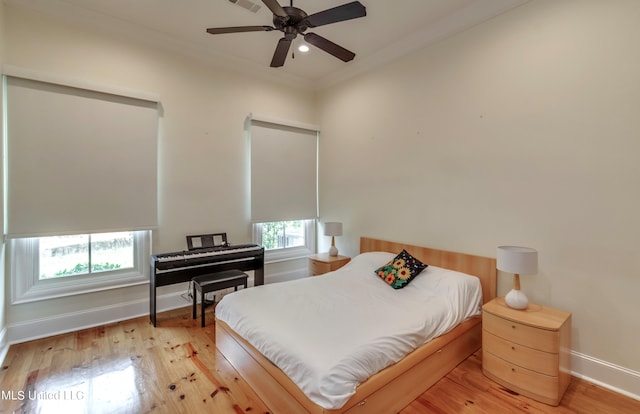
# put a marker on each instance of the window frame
(26, 285)
(289, 253)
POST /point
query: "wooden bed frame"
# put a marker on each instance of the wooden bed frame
(395, 386)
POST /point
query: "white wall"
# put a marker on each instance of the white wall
(523, 130)
(203, 163)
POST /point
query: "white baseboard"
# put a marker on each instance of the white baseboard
(4, 345)
(613, 377)
(74, 321)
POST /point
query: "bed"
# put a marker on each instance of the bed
(387, 390)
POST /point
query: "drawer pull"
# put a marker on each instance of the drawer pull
(513, 370)
(513, 348)
(513, 327)
(361, 403)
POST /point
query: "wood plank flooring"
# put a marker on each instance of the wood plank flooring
(132, 367)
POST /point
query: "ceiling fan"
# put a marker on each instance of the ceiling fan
(293, 21)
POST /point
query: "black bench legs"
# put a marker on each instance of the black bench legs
(216, 281)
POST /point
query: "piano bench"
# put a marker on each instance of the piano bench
(216, 281)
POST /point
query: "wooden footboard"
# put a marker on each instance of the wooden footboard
(397, 385)
(387, 391)
(272, 385)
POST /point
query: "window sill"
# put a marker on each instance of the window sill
(37, 293)
(285, 255)
(288, 259)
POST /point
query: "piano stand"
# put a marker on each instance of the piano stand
(180, 267)
(216, 281)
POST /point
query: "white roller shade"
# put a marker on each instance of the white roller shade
(78, 161)
(283, 172)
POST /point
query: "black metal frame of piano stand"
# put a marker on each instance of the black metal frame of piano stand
(189, 264)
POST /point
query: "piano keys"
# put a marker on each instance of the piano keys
(179, 267)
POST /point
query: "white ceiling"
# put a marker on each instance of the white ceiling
(390, 29)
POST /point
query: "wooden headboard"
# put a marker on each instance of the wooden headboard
(482, 267)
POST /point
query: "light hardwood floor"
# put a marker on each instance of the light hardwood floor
(132, 367)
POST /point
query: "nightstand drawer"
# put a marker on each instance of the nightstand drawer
(317, 268)
(540, 387)
(323, 263)
(541, 339)
(533, 359)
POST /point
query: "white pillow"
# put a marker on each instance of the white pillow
(369, 261)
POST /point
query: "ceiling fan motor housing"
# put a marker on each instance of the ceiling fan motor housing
(294, 24)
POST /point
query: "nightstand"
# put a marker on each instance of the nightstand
(323, 263)
(527, 351)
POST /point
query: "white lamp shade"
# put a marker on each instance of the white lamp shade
(518, 260)
(332, 228)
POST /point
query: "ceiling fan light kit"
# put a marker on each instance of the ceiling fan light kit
(293, 21)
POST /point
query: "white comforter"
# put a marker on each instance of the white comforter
(332, 332)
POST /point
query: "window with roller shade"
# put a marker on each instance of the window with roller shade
(81, 181)
(283, 188)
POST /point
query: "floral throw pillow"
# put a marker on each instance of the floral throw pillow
(401, 270)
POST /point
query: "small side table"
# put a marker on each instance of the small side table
(527, 351)
(323, 263)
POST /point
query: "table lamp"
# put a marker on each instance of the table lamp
(333, 228)
(517, 260)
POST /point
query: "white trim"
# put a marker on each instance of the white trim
(88, 318)
(303, 255)
(277, 121)
(91, 85)
(605, 374)
(286, 255)
(289, 253)
(4, 345)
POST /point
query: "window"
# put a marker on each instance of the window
(284, 186)
(47, 267)
(62, 256)
(285, 239)
(64, 141)
(282, 234)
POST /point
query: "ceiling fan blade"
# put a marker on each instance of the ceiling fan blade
(239, 29)
(275, 8)
(329, 47)
(280, 55)
(347, 11)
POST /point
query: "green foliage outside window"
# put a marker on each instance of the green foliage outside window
(282, 234)
(82, 254)
(82, 268)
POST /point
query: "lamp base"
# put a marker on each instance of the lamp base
(516, 299)
(333, 251)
